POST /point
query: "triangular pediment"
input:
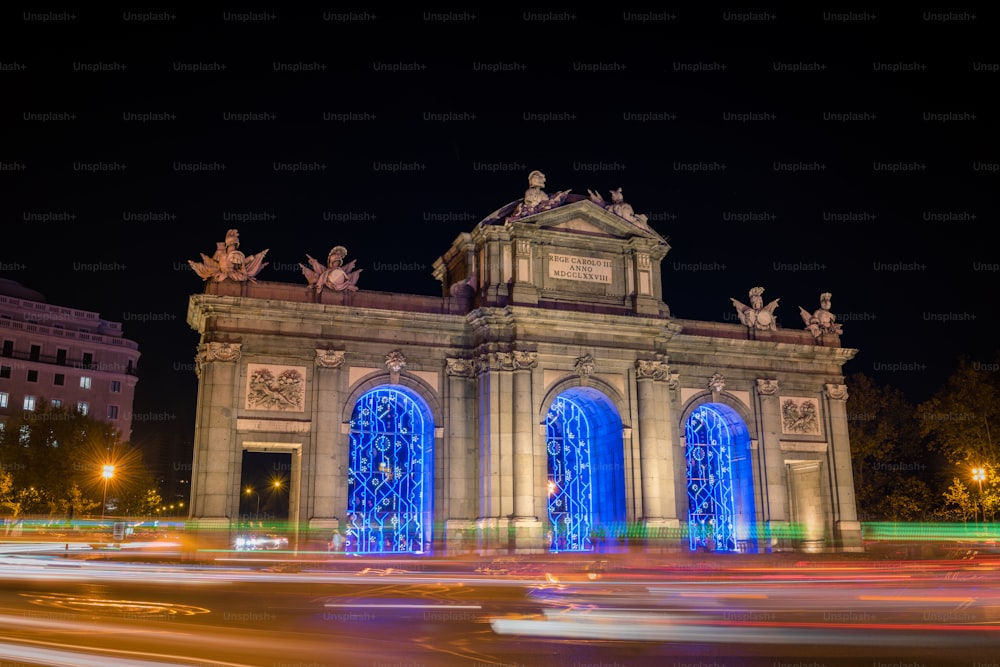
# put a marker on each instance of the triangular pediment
(588, 218)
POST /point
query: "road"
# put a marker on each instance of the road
(270, 610)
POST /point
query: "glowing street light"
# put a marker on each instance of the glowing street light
(107, 473)
(979, 475)
(250, 490)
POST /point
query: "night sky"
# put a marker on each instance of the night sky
(803, 152)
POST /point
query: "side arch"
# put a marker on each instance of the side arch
(425, 391)
(586, 468)
(719, 479)
(390, 472)
(571, 381)
(741, 409)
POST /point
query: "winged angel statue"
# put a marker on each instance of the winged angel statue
(757, 315)
(229, 262)
(336, 275)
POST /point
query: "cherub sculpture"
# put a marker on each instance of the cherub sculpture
(336, 275)
(821, 321)
(229, 262)
(757, 315)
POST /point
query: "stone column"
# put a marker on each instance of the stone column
(215, 435)
(489, 455)
(459, 494)
(847, 528)
(669, 391)
(524, 479)
(772, 465)
(325, 474)
(647, 373)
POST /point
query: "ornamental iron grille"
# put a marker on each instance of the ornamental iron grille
(568, 440)
(711, 502)
(388, 488)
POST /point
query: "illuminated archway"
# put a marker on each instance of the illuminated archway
(586, 470)
(390, 474)
(721, 511)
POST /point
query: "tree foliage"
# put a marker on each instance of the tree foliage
(958, 502)
(887, 455)
(52, 460)
(961, 418)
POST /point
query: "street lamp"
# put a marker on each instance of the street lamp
(250, 490)
(107, 473)
(979, 475)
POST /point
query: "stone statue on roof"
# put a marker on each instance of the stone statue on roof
(821, 321)
(336, 275)
(228, 262)
(757, 315)
(619, 207)
(535, 199)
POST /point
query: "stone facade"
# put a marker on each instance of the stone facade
(558, 400)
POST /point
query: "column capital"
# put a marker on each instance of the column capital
(220, 352)
(329, 358)
(525, 360)
(767, 387)
(836, 392)
(459, 367)
(651, 369)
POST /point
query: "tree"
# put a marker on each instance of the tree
(140, 499)
(19, 500)
(909, 500)
(75, 504)
(886, 451)
(54, 457)
(958, 502)
(959, 420)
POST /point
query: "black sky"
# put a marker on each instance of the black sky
(867, 166)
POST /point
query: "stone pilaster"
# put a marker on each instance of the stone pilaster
(523, 291)
(847, 528)
(770, 459)
(459, 470)
(325, 465)
(527, 527)
(649, 373)
(215, 437)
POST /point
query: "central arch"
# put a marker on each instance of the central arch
(721, 511)
(390, 473)
(586, 469)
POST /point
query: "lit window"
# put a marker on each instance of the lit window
(84, 382)
(83, 407)
(4, 396)
(32, 376)
(116, 387)
(112, 412)
(24, 435)
(29, 402)
(57, 402)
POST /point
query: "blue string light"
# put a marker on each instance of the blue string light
(389, 475)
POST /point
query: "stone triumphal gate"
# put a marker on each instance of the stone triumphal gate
(547, 399)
